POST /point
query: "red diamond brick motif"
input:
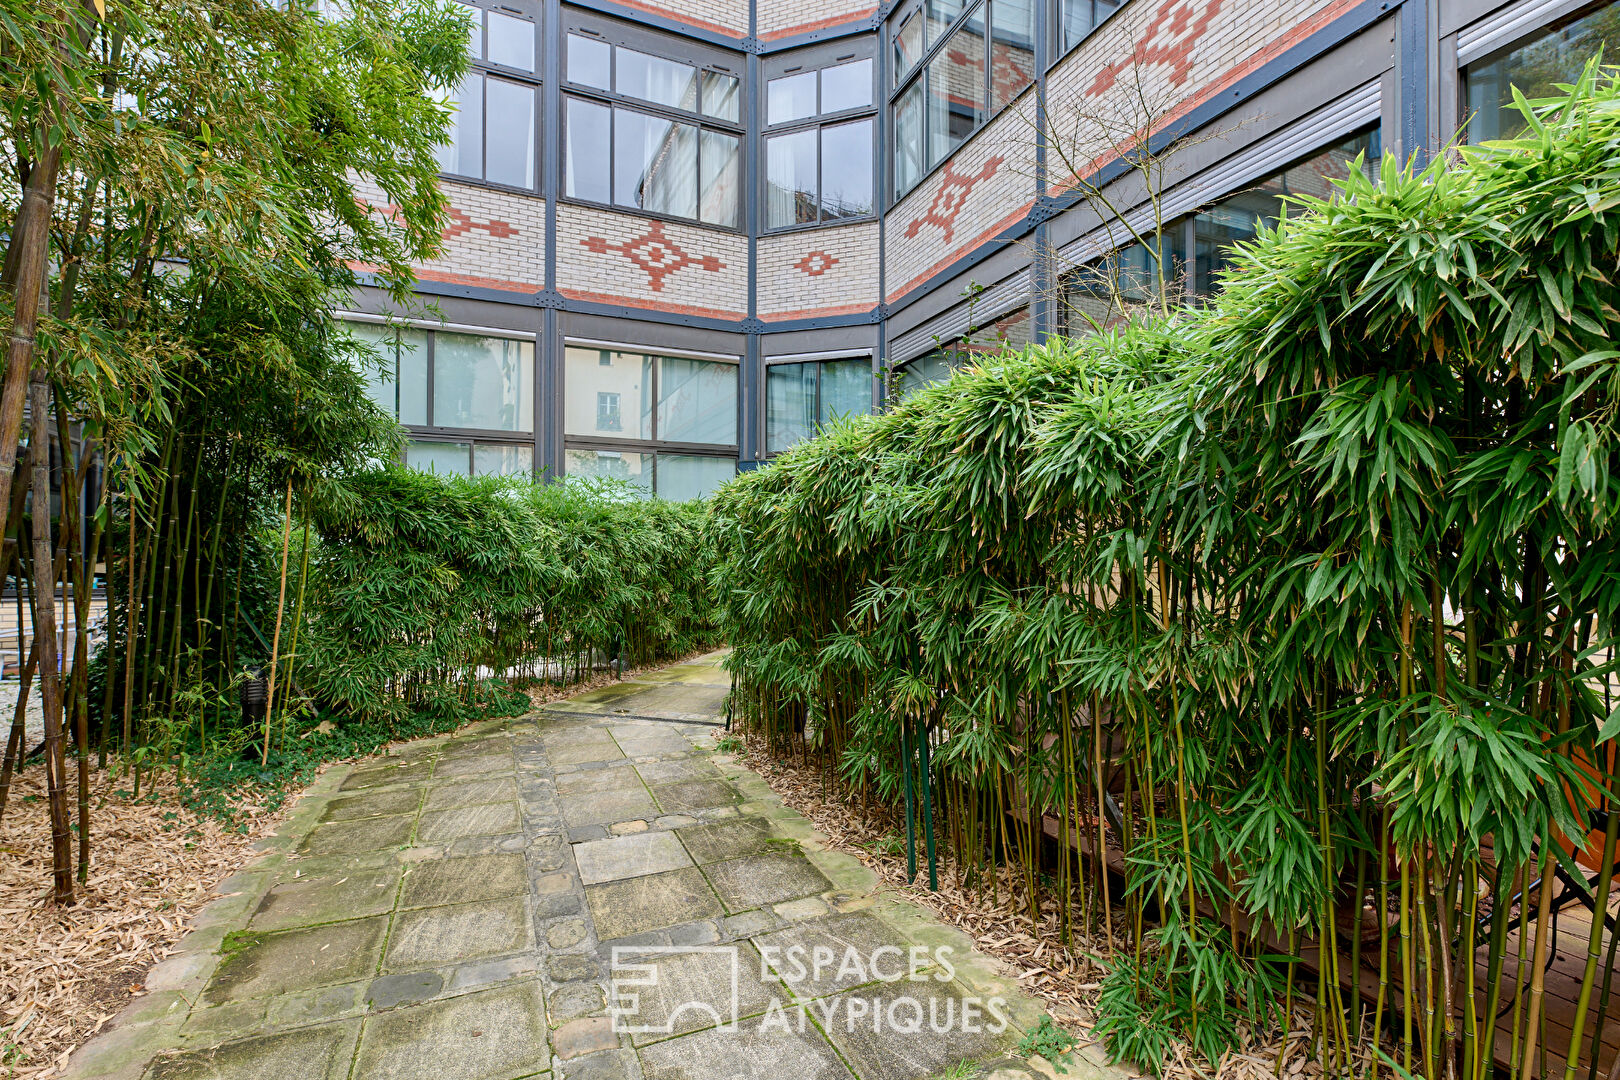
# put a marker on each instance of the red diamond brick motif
(1167, 40)
(816, 263)
(655, 254)
(463, 223)
(954, 188)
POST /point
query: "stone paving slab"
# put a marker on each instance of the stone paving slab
(478, 907)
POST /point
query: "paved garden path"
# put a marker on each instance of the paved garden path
(472, 908)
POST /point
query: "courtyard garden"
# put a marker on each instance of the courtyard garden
(1240, 678)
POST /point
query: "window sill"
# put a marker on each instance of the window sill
(654, 215)
(789, 230)
(490, 185)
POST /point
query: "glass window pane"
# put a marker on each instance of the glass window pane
(908, 138)
(587, 167)
(634, 469)
(1012, 49)
(908, 48)
(790, 179)
(444, 458)
(606, 392)
(464, 153)
(511, 41)
(792, 97)
(940, 15)
(511, 133)
(846, 86)
(590, 62)
(413, 376)
(483, 382)
(1075, 21)
(503, 459)
(378, 369)
(697, 401)
(720, 184)
(1236, 218)
(686, 476)
(846, 182)
(654, 163)
(652, 78)
(924, 371)
(956, 92)
(790, 404)
(1535, 69)
(721, 98)
(475, 31)
(846, 388)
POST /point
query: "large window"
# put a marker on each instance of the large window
(665, 424)
(1238, 217)
(651, 133)
(1072, 21)
(468, 399)
(1009, 332)
(957, 64)
(819, 150)
(1194, 250)
(494, 133)
(801, 397)
(1536, 67)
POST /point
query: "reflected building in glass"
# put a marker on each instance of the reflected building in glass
(683, 238)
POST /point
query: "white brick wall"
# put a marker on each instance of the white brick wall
(494, 239)
(783, 18)
(819, 272)
(988, 185)
(618, 258)
(1186, 51)
(726, 16)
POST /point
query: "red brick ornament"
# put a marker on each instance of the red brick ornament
(655, 254)
(1167, 40)
(950, 197)
(815, 263)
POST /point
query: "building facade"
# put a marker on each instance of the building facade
(682, 236)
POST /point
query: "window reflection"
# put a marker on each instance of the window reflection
(791, 193)
(1536, 68)
(800, 398)
(654, 79)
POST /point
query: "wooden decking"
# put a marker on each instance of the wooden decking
(1561, 984)
(1562, 988)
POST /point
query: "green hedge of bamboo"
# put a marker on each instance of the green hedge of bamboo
(420, 585)
(1317, 586)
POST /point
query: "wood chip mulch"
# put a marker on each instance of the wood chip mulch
(1067, 979)
(66, 971)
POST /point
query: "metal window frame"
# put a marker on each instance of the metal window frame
(448, 438)
(613, 104)
(820, 360)
(819, 127)
(1056, 54)
(432, 329)
(1515, 26)
(919, 73)
(483, 69)
(589, 441)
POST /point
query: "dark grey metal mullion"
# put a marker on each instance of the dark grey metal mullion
(547, 437)
(432, 337)
(1042, 271)
(883, 150)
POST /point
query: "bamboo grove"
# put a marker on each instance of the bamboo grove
(1287, 621)
(194, 197)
